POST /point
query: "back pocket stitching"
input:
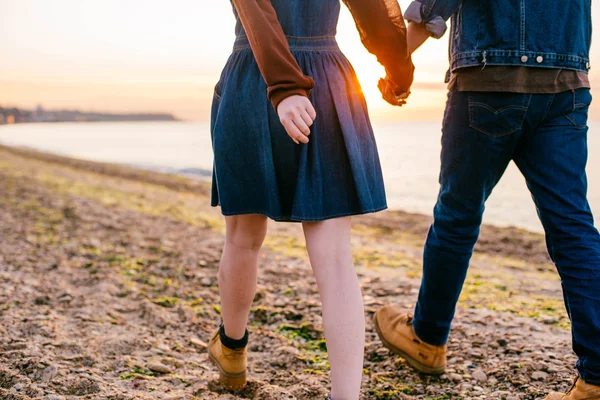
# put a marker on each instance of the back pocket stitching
(575, 124)
(496, 112)
(473, 104)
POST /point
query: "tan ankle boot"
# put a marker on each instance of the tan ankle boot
(397, 334)
(579, 391)
(232, 364)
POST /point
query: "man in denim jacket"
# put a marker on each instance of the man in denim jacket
(519, 91)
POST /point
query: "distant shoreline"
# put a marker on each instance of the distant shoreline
(13, 115)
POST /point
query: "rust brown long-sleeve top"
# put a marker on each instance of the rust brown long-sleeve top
(379, 22)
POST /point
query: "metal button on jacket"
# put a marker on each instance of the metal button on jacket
(524, 59)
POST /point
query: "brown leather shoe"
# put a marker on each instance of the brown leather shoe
(579, 391)
(397, 334)
(232, 364)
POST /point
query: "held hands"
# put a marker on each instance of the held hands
(390, 93)
(297, 114)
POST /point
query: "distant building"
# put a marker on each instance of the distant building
(39, 114)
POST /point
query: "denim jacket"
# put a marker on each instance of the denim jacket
(531, 33)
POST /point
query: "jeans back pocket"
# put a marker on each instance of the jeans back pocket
(497, 114)
(578, 116)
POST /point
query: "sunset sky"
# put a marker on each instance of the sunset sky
(151, 55)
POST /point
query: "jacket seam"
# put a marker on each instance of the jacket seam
(522, 33)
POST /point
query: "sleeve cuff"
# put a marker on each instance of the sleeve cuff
(280, 95)
(436, 25)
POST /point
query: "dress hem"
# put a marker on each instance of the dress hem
(304, 219)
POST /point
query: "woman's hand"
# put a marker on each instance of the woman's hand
(390, 93)
(297, 114)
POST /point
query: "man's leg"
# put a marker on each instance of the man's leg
(481, 132)
(553, 160)
(478, 143)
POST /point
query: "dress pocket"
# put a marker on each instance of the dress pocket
(217, 91)
(214, 112)
(497, 114)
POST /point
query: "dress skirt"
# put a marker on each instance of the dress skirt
(258, 169)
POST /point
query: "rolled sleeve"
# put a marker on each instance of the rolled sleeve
(432, 13)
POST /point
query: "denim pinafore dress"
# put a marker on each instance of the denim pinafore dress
(258, 169)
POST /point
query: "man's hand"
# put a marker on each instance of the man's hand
(417, 34)
(297, 114)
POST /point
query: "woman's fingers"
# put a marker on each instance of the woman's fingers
(311, 111)
(294, 132)
(297, 114)
(301, 124)
(306, 118)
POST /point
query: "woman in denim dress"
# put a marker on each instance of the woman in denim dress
(293, 142)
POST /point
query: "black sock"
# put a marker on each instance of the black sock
(233, 344)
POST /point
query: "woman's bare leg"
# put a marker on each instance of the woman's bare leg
(328, 245)
(238, 270)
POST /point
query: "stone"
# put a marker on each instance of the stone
(206, 282)
(15, 346)
(280, 302)
(159, 367)
(48, 373)
(198, 343)
(539, 376)
(479, 375)
(268, 392)
(172, 361)
(455, 377)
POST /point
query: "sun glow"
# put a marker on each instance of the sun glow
(151, 55)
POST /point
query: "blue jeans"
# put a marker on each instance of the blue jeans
(546, 136)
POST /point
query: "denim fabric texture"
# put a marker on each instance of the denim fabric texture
(258, 169)
(531, 33)
(546, 136)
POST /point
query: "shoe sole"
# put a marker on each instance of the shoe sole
(233, 382)
(410, 360)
